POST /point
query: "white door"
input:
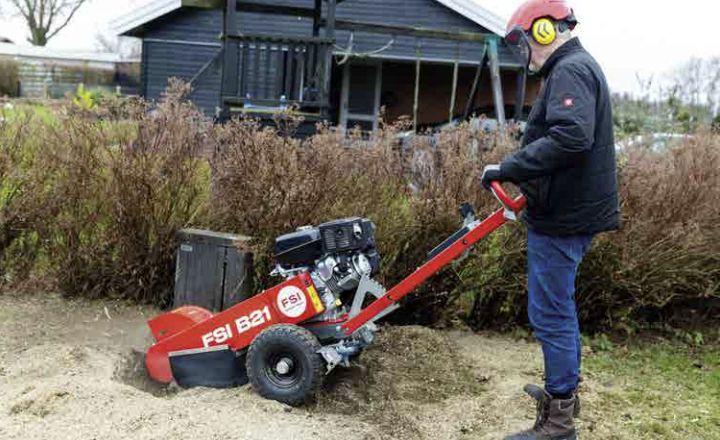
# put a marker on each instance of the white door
(360, 101)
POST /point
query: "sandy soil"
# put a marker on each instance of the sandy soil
(67, 371)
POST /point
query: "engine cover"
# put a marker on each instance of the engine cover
(307, 245)
(298, 248)
(350, 234)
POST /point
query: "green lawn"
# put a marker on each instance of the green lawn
(20, 109)
(658, 390)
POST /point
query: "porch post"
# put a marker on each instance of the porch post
(453, 94)
(520, 94)
(230, 47)
(327, 73)
(416, 99)
(317, 18)
(496, 81)
(475, 85)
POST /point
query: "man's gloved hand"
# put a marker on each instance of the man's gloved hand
(491, 173)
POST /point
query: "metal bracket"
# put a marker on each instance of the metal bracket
(331, 356)
(369, 286)
(508, 213)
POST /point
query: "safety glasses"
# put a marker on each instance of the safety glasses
(518, 41)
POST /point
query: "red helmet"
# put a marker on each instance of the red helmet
(531, 10)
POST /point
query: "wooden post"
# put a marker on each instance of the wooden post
(230, 78)
(453, 94)
(327, 72)
(476, 85)
(316, 52)
(520, 94)
(416, 101)
(317, 17)
(496, 81)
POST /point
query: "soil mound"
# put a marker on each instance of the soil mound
(405, 367)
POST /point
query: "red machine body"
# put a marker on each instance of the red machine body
(297, 301)
(190, 327)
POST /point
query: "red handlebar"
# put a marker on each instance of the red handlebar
(515, 205)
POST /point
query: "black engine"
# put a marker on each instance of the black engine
(337, 255)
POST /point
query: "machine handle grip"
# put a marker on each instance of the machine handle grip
(514, 205)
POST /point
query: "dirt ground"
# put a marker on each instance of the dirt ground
(67, 371)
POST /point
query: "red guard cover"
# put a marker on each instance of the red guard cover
(291, 302)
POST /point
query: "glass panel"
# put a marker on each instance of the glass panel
(361, 98)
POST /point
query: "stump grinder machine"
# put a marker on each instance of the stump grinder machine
(287, 338)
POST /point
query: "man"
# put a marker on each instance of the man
(566, 170)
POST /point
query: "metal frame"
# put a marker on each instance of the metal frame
(477, 231)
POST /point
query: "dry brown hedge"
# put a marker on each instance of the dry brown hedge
(103, 191)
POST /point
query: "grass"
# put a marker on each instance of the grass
(658, 390)
(19, 110)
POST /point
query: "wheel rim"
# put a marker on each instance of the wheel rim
(283, 369)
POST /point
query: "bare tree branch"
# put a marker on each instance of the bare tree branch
(78, 4)
(45, 18)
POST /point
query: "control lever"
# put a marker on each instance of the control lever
(512, 206)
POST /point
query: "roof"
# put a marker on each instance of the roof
(146, 13)
(472, 10)
(155, 9)
(44, 53)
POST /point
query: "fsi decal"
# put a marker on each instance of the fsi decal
(242, 324)
(291, 302)
(217, 336)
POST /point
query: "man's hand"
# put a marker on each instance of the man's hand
(491, 173)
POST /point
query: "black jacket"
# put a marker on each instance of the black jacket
(566, 166)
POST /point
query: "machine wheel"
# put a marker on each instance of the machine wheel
(283, 364)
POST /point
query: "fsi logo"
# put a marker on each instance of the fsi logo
(291, 302)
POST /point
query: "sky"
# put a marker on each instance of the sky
(628, 37)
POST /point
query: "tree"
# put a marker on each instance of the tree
(45, 18)
(697, 85)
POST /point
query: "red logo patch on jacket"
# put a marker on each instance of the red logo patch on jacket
(568, 102)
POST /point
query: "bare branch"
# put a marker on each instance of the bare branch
(46, 18)
(78, 4)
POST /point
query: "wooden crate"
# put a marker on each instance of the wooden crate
(213, 269)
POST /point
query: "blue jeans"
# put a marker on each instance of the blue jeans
(552, 266)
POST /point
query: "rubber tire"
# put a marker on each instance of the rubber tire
(303, 345)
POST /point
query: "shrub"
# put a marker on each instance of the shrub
(663, 262)
(97, 195)
(24, 187)
(9, 78)
(125, 194)
(266, 184)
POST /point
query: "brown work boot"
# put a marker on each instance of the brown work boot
(554, 418)
(536, 393)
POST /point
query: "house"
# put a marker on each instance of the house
(336, 60)
(48, 73)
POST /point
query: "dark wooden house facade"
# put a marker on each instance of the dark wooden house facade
(337, 60)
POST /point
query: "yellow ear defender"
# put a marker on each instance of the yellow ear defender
(543, 31)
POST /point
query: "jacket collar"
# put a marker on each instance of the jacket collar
(573, 45)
